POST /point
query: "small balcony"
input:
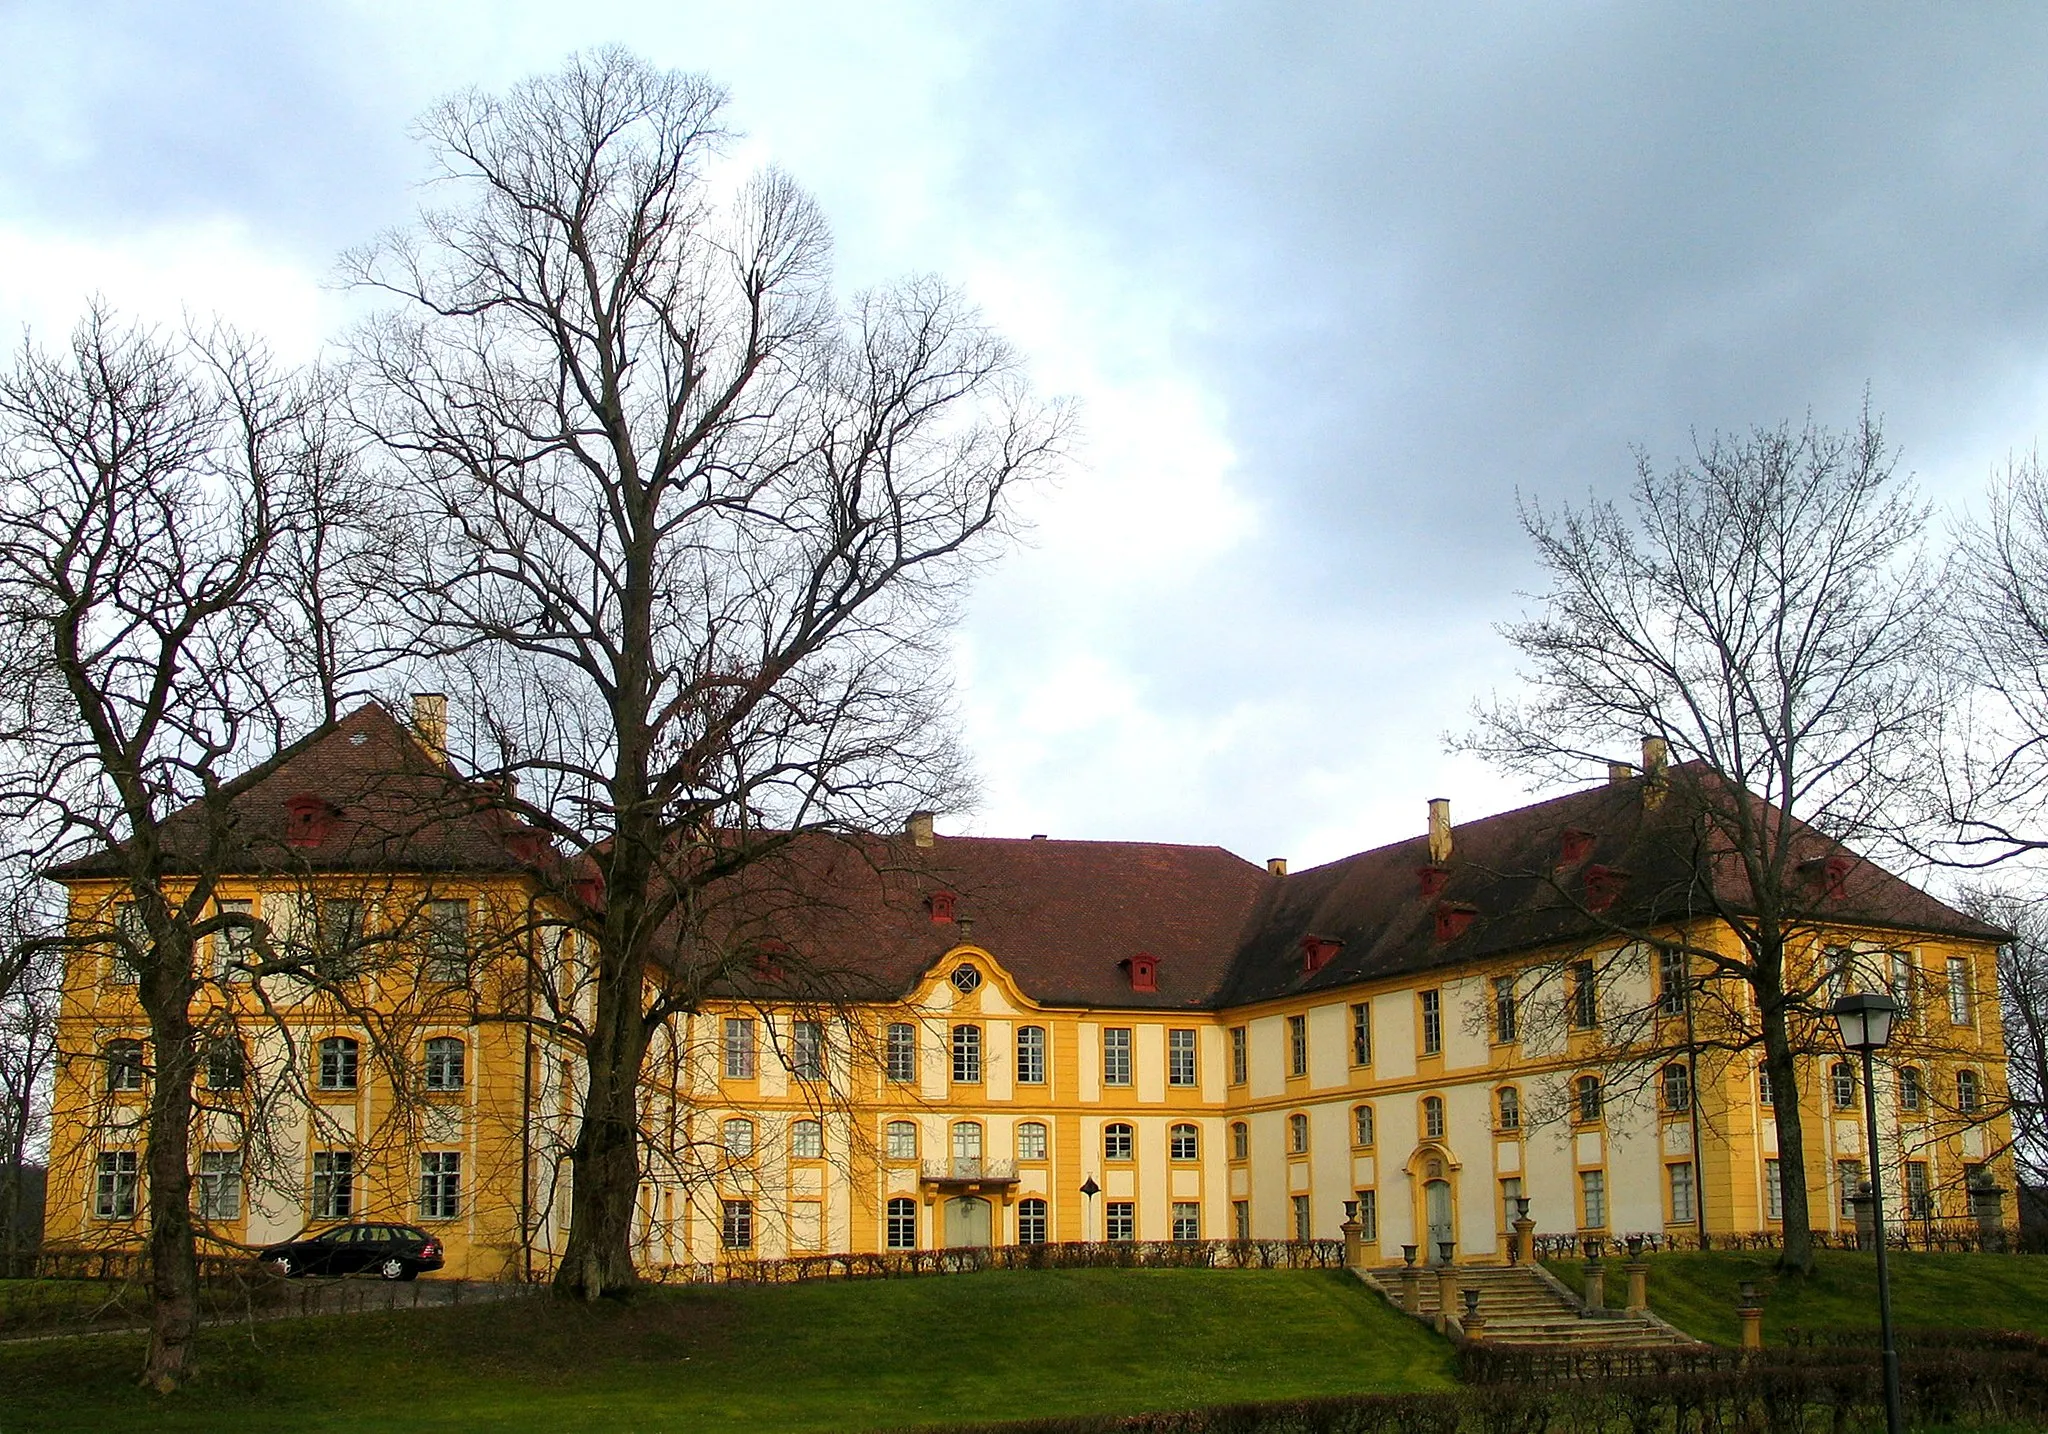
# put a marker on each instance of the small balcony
(970, 1173)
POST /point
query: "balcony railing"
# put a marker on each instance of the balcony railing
(963, 1170)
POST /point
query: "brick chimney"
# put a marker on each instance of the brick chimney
(1276, 866)
(1656, 758)
(1439, 830)
(1619, 772)
(920, 828)
(430, 722)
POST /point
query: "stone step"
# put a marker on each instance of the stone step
(1521, 1307)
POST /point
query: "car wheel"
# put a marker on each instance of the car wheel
(283, 1265)
(392, 1269)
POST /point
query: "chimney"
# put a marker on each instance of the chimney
(430, 722)
(1276, 866)
(920, 828)
(1439, 830)
(1619, 772)
(1038, 836)
(1656, 756)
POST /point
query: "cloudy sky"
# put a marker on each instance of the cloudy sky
(1333, 283)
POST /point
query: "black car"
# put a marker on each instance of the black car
(395, 1252)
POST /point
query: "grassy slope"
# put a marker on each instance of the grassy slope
(811, 1357)
(1698, 1292)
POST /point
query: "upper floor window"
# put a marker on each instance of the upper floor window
(1766, 1093)
(967, 1055)
(1433, 1117)
(899, 1058)
(899, 1140)
(1912, 1088)
(1676, 1081)
(1361, 1125)
(131, 943)
(1116, 1141)
(338, 937)
(1240, 1141)
(1031, 1141)
(1967, 1094)
(1297, 1135)
(1180, 1057)
(1589, 1101)
(234, 945)
(338, 1063)
(1031, 1055)
(1432, 1023)
(226, 1064)
(1506, 1016)
(124, 1065)
(1183, 1142)
(966, 979)
(967, 1142)
(1673, 980)
(737, 1135)
(444, 1063)
(114, 1188)
(1842, 1084)
(1116, 1055)
(1509, 1102)
(739, 1048)
(807, 1140)
(1240, 1055)
(1960, 1002)
(1361, 1033)
(1297, 1045)
(448, 941)
(1585, 996)
(807, 1050)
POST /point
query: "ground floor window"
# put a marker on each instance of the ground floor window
(1301, 1218)
(1774, 1192)
(901, 1232)
(1187, 1220)
(1241, 1218)
(1368, 1214)
(1919, 1194)
(220, 1184)
(736, 1228)
(1849, 1175)
(1593, 1187)
(114, 1188)
(1121, 1220)
(1510, 1200)
(440, 1185)
(1684, 1209)
(1031, 1222)
(334, 1184)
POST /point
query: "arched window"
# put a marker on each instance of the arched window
(1966, 1092)
(899, 1140)
(1676, 1081)
(444, 1063)
(1587, 1088)
(338, 1063)
(737, 1135)
(1031, 1222)
(902, 1224)
(1912, 1088)
(1433, 1117)
(1183, 1143)
(807, 1140)
(124, 1065)
(1297, 1134)
(1031, 1141)
(967, 1142)
(1116, 1141)
(1240, 1141)
(1361, 1125)
(1510, 1102)
(1842, 1085)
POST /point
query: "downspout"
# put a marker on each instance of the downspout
(526, 1110)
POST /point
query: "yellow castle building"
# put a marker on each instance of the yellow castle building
(1026, 1040)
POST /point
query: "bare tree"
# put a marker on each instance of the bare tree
(150, 487)
(31, 968)
(2023, 1012)
(691, 528)
(1764, 611)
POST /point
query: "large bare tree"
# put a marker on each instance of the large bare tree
(1764, 610)
(152, 490)
(689, 527)
(31, 973)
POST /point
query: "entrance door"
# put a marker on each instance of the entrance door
(1436, 1194)
(967, 1221)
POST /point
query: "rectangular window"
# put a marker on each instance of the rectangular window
(220, 1184)
(1240, 1054)
(1302, 1227)
(807, 1050)
(1241, 1219)
(1683, 1209)
(1116, 1055)
(1297, 1045)
(440, 1185)
(1361, 1034)
(444, 1063)
(1774, 1192)
(1765, 1093)
(1031, 1222)
(114, 1187)
(234, 945)
(339, 938)
(739, 1048)
(900, 1059)
(736, 1225)
(338, 1063)
(1903, 983)
(1187, 1220)
(1919, 1194)
(900, 1140)
(1031, 1055)
(448, 942)
(1585, 996)
(1593, 1187)
(131, 944)
(967, 1055)
(124, 1065)
(1672, 980)
(1507, 1026)
(1180, 1057)
(1510, 1201)
(1848, 1176)
(1120, 1220)
(807, 1140)
(1361, 1125)
(1368, 1214)
(334, 1184)
(1959, 999)
(225, 1067)
(902, 1229)
(1432, 1023)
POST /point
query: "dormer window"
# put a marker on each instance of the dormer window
(1454, 919)
(308, 819)
(1604, 886)
(1317, 952)
(1574, 845)
(941, 904)
(1143, 969)
(1828, 876)
(767, 960)
(526, 844)
(1432, 879)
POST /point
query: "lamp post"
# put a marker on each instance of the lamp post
(1866, 1025)
(1089, 1190)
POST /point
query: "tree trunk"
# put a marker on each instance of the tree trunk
(606, 1160)
(1797, 1254)
(173, 1262)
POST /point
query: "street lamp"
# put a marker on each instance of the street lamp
(1090, 1190)
(1866, 1025)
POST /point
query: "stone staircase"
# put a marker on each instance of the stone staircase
(1523, 1305)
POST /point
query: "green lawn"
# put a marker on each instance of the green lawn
(1698, 1292)
(855, 1355)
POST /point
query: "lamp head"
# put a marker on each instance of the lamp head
(1865, 1020)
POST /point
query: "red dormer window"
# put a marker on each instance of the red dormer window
(941, 904)
(1828, 876)
(1604, 885)
(1574, 845)
(1433, 879)
(1143, 970)
(526, 844)
(767, 959)
(589, 890)
(1454, 919)
(308, 819)
(1318, 952)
